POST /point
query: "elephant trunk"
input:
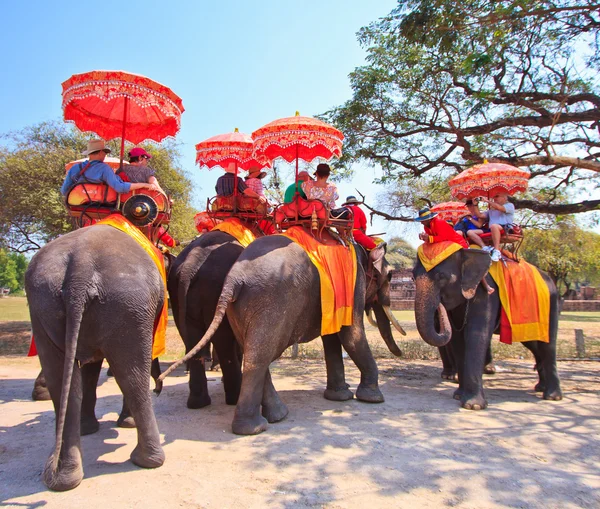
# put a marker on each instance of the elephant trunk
(427, 301)
(385, 329)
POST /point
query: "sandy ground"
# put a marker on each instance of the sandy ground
(418, 449)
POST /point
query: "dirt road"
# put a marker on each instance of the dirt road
(418, 449)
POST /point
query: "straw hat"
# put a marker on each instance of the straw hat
(95, 146)
(425, 214)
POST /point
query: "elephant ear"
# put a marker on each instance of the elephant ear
(475, 265)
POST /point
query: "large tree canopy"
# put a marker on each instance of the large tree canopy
(448, 84)
(32, 169)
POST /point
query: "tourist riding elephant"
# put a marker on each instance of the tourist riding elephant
(470, 316)
(195, 282)
(272, 300)
(94, 293)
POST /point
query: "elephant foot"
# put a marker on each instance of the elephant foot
(126, 421)
(553, 395)
(68, 476)
(343, 394)
(194, 401)
(275, 413)
(369, 394)
(249, 426)
(474, 403)
(458, 394)
(450, 375)
(489, 369)
(539, 387)
(89, 426)
(40, 393)
(152, 459)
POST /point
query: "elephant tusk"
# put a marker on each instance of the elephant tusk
(395, 322)
(371, 318)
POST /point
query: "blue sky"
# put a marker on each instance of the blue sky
(234, 64)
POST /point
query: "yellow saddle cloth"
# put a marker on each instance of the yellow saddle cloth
(337, 271)
(525, 300)
(432, 254)
(160, 327)
(235, 228)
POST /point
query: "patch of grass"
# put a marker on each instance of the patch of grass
(580, 316)
(14, 309)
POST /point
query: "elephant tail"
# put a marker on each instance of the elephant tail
(74, 315)
(227, 296)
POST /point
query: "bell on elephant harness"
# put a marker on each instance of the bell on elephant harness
(314, 220)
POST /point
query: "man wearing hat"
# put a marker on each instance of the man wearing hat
(290, 192)
(96, 171)
(360, 223)
(138, 170)
(253, 180)
(437, 230)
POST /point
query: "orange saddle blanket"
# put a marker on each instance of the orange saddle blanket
(525, 300)
(337, 268)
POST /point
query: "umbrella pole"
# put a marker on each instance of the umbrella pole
(123, 132)
(235, 188)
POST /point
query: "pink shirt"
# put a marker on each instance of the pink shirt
(256, 185)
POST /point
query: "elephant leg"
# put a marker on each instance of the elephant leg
(125, 419)
(66, 471)
(545, 363)
(133, 378)
(89, 377)
(198, 384)
(226, 347)
(456, 349)
(337, 388)
(448, 364)
(247, 419)
(489, 368)
(354, 341)
(273, 409)
(40, 389)
(155, 371)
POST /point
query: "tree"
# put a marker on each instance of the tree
(12, 270)
(448, 84)
(569, 254)
(32, 169)
(400, 253)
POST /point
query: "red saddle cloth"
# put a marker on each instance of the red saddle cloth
(301, 208)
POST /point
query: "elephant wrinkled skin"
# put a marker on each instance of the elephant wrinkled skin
(94, 293)
(272, 299)
(469, 316)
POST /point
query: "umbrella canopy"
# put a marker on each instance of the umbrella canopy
(223, 149)
(113, 162)
(115, 104)
(488, 179)
(298, 137)
(451, 210)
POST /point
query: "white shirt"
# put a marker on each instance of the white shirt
(503, 218)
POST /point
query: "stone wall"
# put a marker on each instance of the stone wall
(581, 305)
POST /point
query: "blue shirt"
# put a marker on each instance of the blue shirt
(96, 173)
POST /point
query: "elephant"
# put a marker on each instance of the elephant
(469, 316)
(94, 293)
(195, 282)
(271, 298)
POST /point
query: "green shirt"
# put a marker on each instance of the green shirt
(291, 191)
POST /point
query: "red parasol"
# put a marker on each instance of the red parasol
(297, 138)
(113, 162)
(223, 149)
(488, 179)
(451, 210)
(115, 104)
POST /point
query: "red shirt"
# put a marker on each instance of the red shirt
(439, 231)
(360, 219)
(165, 238)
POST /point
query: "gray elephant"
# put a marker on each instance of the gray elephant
(195, 282)
(272, 300)
(469, 316)
(94, 293)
